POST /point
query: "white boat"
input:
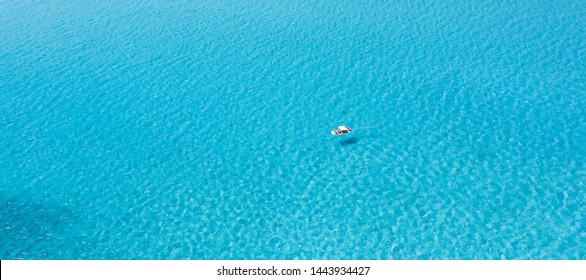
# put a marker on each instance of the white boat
(341, 130)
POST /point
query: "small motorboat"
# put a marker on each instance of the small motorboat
(341, 130)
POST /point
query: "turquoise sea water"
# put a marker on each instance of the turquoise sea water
(201, 129)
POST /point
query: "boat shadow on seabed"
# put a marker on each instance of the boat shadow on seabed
(349, 141)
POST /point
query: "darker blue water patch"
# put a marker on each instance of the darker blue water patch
(31, 229)
(349, 141)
